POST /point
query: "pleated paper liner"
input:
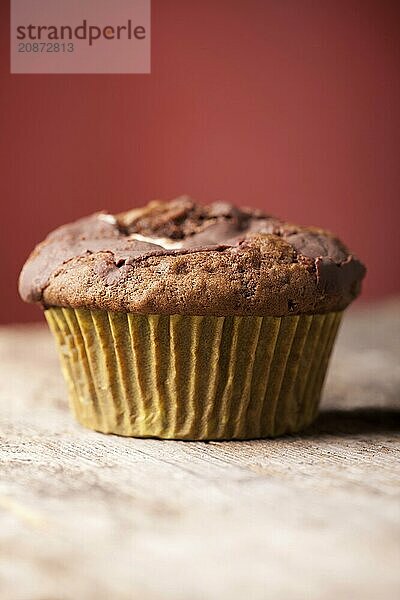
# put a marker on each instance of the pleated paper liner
(191, 377)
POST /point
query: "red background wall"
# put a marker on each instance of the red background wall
(288, 105)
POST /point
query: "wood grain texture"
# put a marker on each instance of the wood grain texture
(316, 516)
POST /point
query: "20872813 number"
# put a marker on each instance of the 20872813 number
(45, 47)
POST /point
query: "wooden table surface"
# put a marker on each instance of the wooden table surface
(316, 516)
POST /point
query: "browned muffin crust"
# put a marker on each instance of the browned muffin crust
(180, 257)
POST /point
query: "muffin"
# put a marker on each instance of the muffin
(184, 321)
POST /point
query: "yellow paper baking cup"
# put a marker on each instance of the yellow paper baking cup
(193, 377)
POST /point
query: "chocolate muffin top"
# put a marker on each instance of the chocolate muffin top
(180, 257)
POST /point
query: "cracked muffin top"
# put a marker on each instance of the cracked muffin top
(181, 257)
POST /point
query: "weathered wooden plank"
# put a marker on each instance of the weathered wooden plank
(83, 515)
